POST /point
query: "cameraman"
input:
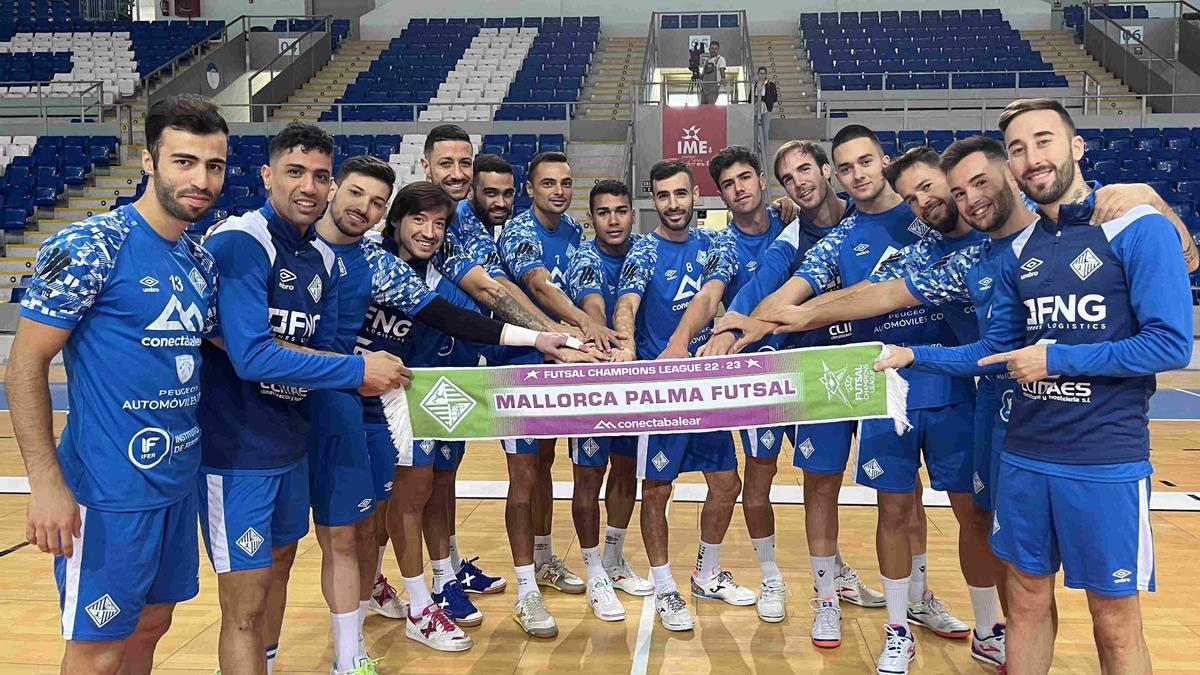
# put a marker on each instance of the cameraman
(712, 74)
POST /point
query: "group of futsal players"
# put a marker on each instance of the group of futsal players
(276, 336)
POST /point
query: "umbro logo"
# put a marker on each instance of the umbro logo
(1121, 576)
(286, 277)
(364, 505)
(985, 283)
(150, 284)
(862, 249)
(1029, 266)
(103, 610)
(250, 541)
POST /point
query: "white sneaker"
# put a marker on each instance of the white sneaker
(723, 587)
(385, 602)
(435, 630)
(933, 614)
(989, 649)
(673, 612)
(532, 616)
(603, 599)
(827, 623)
(898, 651)
(554, 574)
(852, 589)
(772, 601)
(625, 579)
(366, 666)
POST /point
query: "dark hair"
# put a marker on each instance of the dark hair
(762, 69)
(608, 187)
(307, 136)
(729, 156)
(368, 165)
(1024, 105)
(186, 112)
(922, 155)
(851, 133)
(489, 163)
(714, 42)
(664, 169)
(416, 197)
(810, 148)
(445, 132)
(958, 151)
(543, 158)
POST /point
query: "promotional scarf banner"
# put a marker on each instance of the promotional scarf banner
(820, 384)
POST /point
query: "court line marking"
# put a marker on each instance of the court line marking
(645, 634)
(1189, 393)
(695, 493)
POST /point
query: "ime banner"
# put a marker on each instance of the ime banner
(693, 134)
(819, 384)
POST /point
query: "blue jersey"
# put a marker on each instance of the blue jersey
(369, 274)
(668, 275)
(276, 284)
(1113, 304)
(594, 271)
(527, 244)
(775, 266)
(858, 248)
(468, 244)
(746, 250)
(137, 306)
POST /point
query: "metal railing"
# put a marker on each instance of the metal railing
(627, 176)
(656, 93)
(650, 58)
(985, 105)
(289, 57)
(1155, 63)
(87, 104)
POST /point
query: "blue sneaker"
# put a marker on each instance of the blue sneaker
(473, 579)
(457, 605)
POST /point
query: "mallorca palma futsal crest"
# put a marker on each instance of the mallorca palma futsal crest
(447, 404)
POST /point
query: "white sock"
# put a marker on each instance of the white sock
(837, 557)
(614, 542)
(543, 550)
(591, 560)
(663, 581)
(455, 558)
(418, 595)
(379, 562)
(916, 590)
(272, 650)
(526, 580)
(362, 616)
(825, 571)
(708, 560)
(895, 592)
(442, 572)
(345, 639)
(987, 608)
(764, 550)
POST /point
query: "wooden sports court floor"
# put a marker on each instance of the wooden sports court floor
(726, 640)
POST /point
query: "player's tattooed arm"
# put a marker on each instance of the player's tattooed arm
(624, 321)
(53, 514)
(544, 291)
(1114, 201)
(497, 296)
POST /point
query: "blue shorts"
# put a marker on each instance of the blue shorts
(243, 517)
(448, 455)
(124, 561)
(665, 456)
(763, 441)
(944, 435)
(383, 466)
(520, 446)
(1099, 532)
(594, 451)
(340, 479)
(987, 408)
(822, 447)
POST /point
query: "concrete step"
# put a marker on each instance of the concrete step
(15, 265)
(25, 250)
(34, 237)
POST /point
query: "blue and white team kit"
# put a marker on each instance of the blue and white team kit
(667, 275)
(593, 271)
(1112, 304)
(940, 408)
(130, 451)
(254, 485)
(525, 245)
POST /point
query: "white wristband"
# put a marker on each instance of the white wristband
(516, 336)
